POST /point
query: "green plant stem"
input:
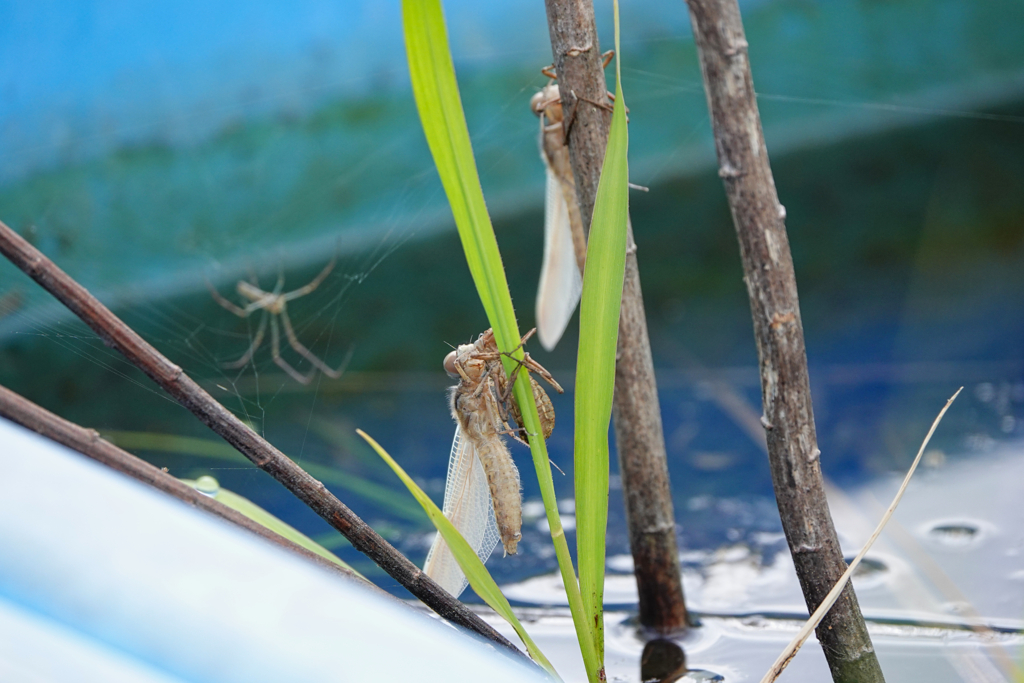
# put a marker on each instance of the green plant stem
(585, 630)
(600, 307)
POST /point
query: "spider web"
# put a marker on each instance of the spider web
(73, 373)
(174, 311)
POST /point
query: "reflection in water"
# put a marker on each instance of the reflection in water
(954, 535)
(662, 661)
(870, 572)
(936, 608)
(702, 675)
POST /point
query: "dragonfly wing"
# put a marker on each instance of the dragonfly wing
(468, 505)
(560, 281)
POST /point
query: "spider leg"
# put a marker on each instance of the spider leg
(265, 303)
(275, 352)
(240, 312)
(256, 341)
(257, 298)
(314, 283)
(294, 342)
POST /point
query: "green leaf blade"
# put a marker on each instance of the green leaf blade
(257, 514)
(444, 125)
(595, 371)
(479, 578)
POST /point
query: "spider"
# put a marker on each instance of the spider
(274, 305)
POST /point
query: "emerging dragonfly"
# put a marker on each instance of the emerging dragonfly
(481, 496)
(565, 246)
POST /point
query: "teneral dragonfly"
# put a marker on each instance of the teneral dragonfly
(482, 498)
(565, 245)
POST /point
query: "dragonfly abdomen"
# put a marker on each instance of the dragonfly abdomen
(503, 479)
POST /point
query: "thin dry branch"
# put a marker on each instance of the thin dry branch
(636, 412)
(89, 443)
(788, 418)
(786, 656)
(174, 381)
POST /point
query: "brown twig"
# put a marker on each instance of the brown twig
(578, 65)
(89, 443)
(174, 381)
(636, 412)
(771, 284)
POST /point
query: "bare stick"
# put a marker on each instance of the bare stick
(771, 284)
(174, 381)
(578, 65)
(636, 412)
(89, 443)
(794, 646)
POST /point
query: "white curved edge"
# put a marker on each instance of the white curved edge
(34, 649)
(188, 595)
(560, 281)
(468, 506)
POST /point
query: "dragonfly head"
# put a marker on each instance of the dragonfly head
(548, 102)
(449, 364)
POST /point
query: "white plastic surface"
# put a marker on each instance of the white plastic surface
(36, 649)
(122, 574)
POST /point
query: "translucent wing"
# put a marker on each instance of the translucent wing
(467, 504)
(560, 281)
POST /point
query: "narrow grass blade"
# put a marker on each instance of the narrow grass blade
(444, 125)
(794, 646)
(595, 369)
(479, 578)
(218, 450)
(264, 518)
